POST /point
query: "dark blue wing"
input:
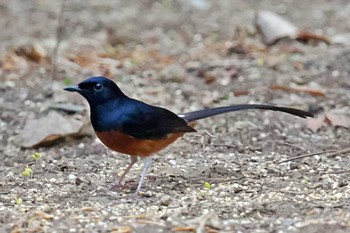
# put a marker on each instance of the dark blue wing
(144, 121)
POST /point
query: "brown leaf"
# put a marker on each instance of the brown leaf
(329, 118)
(184, 229)
(337, 120)
(83, 59)
(307, 36)
(13, 62)
(96, 64)
(313, 92)
(48, 129)
(121, 229)
(241, 92)
(43, 215)
(34, 52)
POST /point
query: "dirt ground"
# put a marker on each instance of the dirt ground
(182, 55)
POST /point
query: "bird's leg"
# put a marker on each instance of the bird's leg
(146, 164)
(117, 185)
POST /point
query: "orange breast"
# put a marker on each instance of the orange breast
(132, 146)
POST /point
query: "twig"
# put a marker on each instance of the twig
(286, 191)
(206, 220)
(184, 229)
(59, 37)
(343, 151)
(211, 144)
(313, 92)
(199, 183)
(150, 222)
(337, 172)
(291, 145)
(306, 155)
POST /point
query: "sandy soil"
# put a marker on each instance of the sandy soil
(176, 54)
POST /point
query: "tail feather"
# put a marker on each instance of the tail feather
(197, 115)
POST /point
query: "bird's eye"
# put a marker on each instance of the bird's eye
(98, 87)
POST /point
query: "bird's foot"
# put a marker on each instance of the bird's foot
(129, 185)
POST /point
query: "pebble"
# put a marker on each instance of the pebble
(172, 162)
(72, 177)
(166, 200)
(52, 180)
(174, 73)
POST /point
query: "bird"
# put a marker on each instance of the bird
(140, 130)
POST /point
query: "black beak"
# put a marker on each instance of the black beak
(73, 89)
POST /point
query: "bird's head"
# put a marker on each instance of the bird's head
(97, 90)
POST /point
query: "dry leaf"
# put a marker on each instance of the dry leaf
(313, 92)
(335, 120)
(83, 59)
(152, 57)
(241, 92)
(314, 124)
(43, 215)
(121, 229)
(99, 65)
(273, 27)
(306, 36)
(48, 129)
(184, 229)
(12, 62)
(34, 52)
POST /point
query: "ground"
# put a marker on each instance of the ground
(182, 55)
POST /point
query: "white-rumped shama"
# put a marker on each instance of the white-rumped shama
(138, 129)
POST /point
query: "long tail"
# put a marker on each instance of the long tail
(197, 115)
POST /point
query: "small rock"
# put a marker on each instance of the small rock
(172, 162)
(341, 39)
(166, 200)
(72, 177)
(173, 73)
(273, 27)
(52, 180)
(193, 66)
